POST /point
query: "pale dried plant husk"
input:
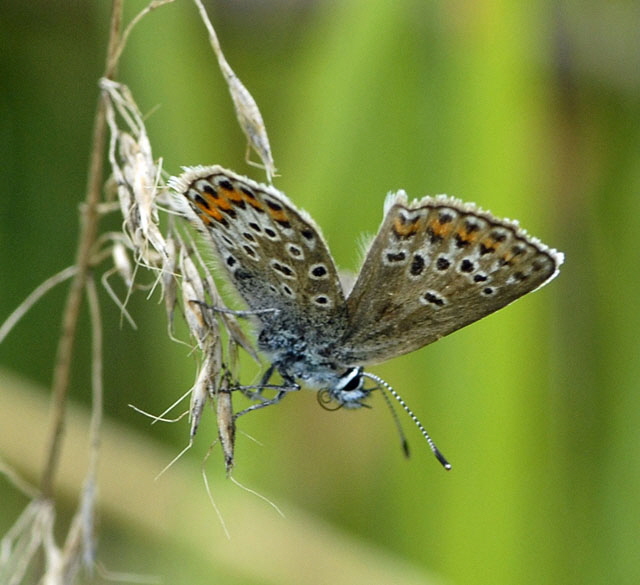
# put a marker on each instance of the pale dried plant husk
(152, 252)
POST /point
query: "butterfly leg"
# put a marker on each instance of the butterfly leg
(234, 312)
(288, 386)
(264, 383)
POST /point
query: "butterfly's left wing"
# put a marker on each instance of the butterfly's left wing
(435, 266)
(274, 254)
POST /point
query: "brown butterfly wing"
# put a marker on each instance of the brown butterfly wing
(435, 266)
(274, 253)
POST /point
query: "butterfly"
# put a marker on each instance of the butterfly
(436, 265)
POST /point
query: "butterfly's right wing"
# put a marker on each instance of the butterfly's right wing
(435, 266)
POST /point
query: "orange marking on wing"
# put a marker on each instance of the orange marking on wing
(405, 229)
(489, 244)
(201, 205)
(440, 229)
(465, 236)
(253, 202)
(223, 203)
(212, 212)
(206, 213)
(278, 214)
(234, 196)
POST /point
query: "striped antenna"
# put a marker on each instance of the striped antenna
(439, 456)
(396, 420)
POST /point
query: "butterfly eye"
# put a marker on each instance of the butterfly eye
(350, 380)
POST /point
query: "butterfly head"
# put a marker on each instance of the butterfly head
(337, 387)
(347, 390)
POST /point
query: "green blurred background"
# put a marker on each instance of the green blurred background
(532, 110)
